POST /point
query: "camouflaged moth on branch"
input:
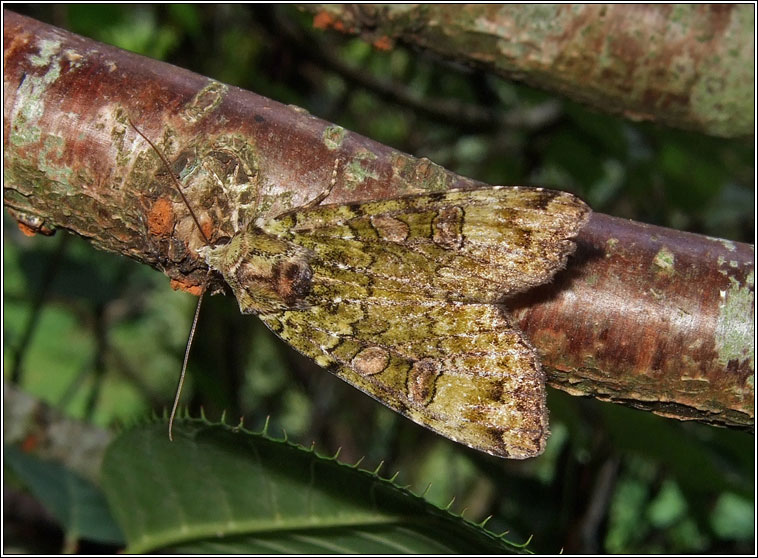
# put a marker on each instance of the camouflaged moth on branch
(402, 298)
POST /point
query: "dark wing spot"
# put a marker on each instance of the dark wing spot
(422, 379)
(447, 228)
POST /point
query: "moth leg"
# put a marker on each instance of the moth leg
(326, 191)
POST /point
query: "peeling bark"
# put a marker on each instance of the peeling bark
(644, 316)
(688, 66)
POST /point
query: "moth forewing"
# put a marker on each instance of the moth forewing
(477, 245)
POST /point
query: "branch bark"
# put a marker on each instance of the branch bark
(687, 66)
(644, 316)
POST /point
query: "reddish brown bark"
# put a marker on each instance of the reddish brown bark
(645, 316)
(653, 318)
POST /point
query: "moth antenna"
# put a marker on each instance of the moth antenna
(177, 184)
(328, 190)
(184, 364)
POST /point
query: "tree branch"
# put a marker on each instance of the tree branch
(645, 316)
(687, 66)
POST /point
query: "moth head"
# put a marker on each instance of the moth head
(266, 274)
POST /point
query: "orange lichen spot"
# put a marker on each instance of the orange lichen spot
(383, 43)
(325, 20)
(207, 229)
(160, 220)
(26, 229)
(178, 285)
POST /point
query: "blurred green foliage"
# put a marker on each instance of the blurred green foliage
(102, 337)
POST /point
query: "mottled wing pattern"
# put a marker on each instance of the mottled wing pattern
(402, 308)
(400, 298)
(468, 245)
(460, 369)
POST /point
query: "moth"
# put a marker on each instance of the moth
(403, 299)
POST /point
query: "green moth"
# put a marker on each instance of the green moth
(403, 299)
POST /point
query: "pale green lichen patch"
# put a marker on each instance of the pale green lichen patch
(421, 174)
(333, 136)
(735, 335)
(664, 261)
(356, 171)
(230, 163)
(118, 136)
(31, 94)
(728, 244)
(220, 177)
(205, 101)
(727, 267)
(47, 49)
(434, 178)
(54, 147)
(21, 134)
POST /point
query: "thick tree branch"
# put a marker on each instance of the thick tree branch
(645, 316)
(688, 66)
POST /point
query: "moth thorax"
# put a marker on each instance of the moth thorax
(266, 273)
(292, 280)
(270, 283)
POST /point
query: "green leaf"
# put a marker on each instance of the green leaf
(222, 489)
(74, 501)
